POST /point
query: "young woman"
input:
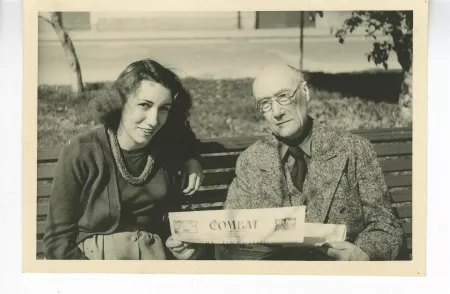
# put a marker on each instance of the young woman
(114, 185)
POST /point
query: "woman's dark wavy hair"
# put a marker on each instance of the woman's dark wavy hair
(110, 103)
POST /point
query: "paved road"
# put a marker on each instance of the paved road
(205, 59)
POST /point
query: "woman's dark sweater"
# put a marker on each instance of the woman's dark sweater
(85, 198)
(140, 203)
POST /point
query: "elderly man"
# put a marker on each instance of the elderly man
(334, 173)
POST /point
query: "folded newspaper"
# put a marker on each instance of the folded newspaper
(318, 234)
(284, 226)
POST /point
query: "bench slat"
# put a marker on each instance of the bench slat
(397, 181)
(46, 172)
(400, 196)
(206, 207)
(217, 195)
(229, 160)
(227, 144)
(207, 196)
(220, 161)
(42, 208)
(388, 137)
(404, 211)
(46, 155)
(39, 247)
(220, 194)
(50, 155)
(40, 228)
(202, 195)
(407, 228)
(240, 143)
(395, 165)
(218, 178)
(225, 178)
(44, 190)
(210, 195)
(398, 149)
(383, 130)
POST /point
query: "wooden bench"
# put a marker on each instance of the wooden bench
(393, 147)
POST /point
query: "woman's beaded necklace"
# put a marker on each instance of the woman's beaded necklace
(121, 164)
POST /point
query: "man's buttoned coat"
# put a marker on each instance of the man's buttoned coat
(344, 185)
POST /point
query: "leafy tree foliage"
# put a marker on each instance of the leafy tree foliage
(398, 27)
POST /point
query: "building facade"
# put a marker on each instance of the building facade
(190, 21)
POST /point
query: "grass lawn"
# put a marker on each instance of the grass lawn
(221, 108)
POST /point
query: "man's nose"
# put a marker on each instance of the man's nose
(277, 110)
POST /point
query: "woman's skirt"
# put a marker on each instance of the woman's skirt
(127, 245)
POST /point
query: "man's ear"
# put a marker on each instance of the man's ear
(305, 91)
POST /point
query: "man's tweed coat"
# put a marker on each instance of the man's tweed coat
(344, 185)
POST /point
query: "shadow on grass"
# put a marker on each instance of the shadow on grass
(376, 86)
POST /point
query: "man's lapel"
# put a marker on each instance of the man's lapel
(324, 173)
(271, 166)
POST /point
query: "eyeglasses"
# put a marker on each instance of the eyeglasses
(285, 98)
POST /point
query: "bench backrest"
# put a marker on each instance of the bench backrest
(393, 147)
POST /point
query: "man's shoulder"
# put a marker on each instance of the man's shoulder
(262, 145)
(259, 150)
(342, 142)
(345, 141)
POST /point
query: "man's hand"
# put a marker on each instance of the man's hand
(194, 173)
(345, 251)
(182, 250)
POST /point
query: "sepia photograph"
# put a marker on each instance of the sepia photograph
(268, 137)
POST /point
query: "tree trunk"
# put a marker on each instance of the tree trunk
(302, 27)
(239, 20)
(77, 82)
(405, 100)
(406, 93)
(403, 46)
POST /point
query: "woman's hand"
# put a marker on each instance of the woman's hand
(184, 251)
(194, 173)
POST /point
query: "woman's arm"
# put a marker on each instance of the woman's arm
(192, 169)
(64, 208)
(180, 147)
(188, 145)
